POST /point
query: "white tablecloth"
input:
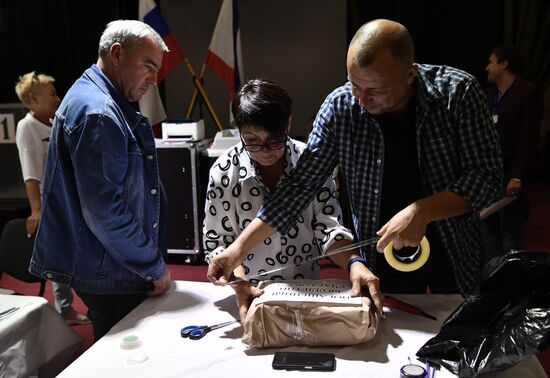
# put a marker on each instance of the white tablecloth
(158, 321)
(34, 338)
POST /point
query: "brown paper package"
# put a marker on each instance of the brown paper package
(282, 324)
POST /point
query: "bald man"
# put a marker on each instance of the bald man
(419, 156)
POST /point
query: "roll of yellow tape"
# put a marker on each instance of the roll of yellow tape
(408, 267)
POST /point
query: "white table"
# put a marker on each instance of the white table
(34, 339)
(158, 321)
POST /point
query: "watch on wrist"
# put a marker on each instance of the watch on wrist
(356, 259)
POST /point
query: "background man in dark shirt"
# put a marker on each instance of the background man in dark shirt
(516, 109)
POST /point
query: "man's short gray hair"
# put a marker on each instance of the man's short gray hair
(127, 33)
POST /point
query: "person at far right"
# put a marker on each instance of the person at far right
(516, 108)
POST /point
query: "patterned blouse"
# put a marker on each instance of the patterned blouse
(235, 194)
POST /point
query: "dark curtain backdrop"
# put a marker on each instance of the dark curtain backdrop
(60, 37)
(527, 25)
(450, 32)
(460, 33)
(57, 37)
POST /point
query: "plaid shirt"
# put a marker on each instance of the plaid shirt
(458, 151)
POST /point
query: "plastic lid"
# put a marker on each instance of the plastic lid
(130, 342)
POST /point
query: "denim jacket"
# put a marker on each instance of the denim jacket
(102, 197)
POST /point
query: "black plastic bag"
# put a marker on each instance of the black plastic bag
(508, 319)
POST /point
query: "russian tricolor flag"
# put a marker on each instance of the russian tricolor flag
(224, 56)
(150, 104)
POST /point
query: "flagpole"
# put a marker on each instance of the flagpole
(195, 93)
(221, 58)
(199, 86)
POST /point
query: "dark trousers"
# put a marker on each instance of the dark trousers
(107, 310)
(437, 273)
(503, 231)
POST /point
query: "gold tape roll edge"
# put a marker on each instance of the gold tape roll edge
(408, 267)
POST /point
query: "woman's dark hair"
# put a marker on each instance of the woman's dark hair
(263, 104)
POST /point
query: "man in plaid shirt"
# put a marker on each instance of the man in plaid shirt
(418, 154)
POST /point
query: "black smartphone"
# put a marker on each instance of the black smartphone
(304, 361)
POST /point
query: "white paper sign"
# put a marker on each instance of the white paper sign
(7, 128)
(322, 291)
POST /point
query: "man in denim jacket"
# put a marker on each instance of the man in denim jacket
(104, 207)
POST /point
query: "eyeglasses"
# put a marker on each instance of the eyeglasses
(273, 146)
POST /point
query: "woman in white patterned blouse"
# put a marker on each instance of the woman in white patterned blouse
(246, 174)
